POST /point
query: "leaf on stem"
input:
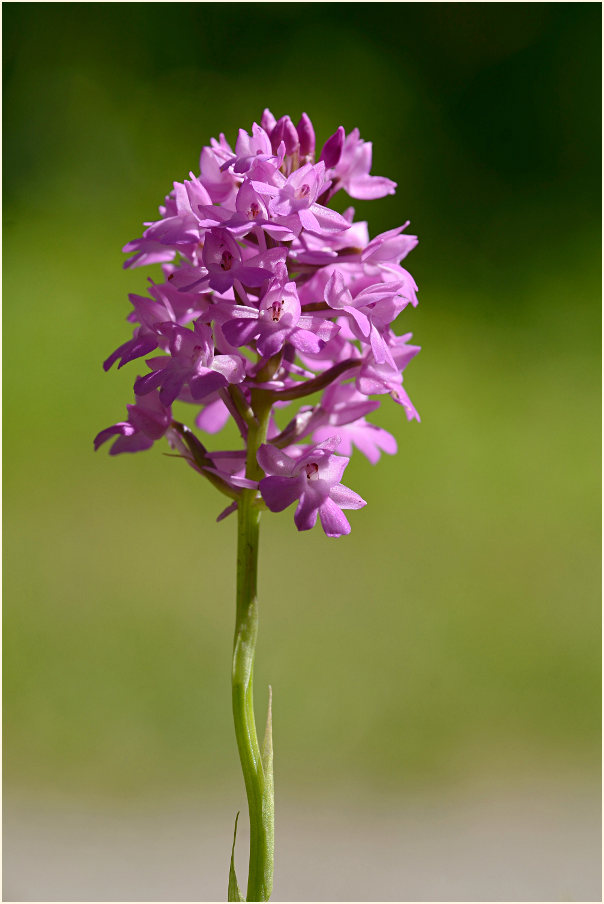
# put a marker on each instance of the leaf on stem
(233, 893)
(267, 746)
(268, 794)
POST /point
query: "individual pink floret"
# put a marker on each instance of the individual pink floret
(314, 480)
(352, 171)
(148, 420)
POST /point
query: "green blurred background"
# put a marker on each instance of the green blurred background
(456, 632)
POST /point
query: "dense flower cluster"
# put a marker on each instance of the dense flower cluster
(268, 293)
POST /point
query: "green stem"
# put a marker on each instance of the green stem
(257, 776)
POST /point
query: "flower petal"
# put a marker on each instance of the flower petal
(333, 520)
(345, 497)
(306, 513)
(280, 492)
(275, 462)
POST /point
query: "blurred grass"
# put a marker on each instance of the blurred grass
(457, 629)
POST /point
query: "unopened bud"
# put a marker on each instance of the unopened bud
(285, 132)
(306, 134)
(268, 121)
(332, 149)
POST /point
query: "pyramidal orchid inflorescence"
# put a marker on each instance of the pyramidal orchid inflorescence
(269, 296)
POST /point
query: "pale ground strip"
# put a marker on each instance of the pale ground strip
(520, 844)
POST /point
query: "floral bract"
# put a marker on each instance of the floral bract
(266, 289)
